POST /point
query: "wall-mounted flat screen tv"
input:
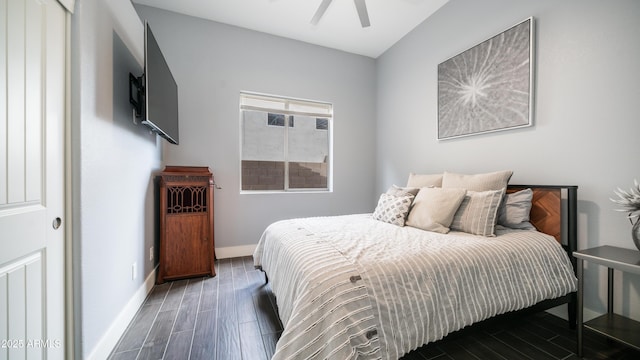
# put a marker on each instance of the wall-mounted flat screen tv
(156, 98)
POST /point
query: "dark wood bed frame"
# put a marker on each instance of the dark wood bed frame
(547, 216)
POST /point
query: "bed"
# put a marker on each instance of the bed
(354, 287)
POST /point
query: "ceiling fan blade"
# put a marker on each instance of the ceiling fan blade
(361, 6)
(321, 9)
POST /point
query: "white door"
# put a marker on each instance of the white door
(32, 121)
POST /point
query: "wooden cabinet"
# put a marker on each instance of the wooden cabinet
(186, 223)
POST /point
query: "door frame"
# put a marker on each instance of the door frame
(69, 298)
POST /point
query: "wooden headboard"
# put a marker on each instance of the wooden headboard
(547, 212)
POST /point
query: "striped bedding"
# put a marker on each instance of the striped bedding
(350, 287)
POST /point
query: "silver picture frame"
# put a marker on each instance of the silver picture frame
(488, 87)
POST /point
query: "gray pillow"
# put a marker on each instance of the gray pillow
(397, 190)
(478, 212)
(433, 208)
(516, 209)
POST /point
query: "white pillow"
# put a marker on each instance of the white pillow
(479, 182)
(433, 208)
(424, 180)
(478, 212)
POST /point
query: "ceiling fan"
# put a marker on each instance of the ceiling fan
(361, 6)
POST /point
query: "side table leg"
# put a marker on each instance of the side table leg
(580, 273)
(610, 291)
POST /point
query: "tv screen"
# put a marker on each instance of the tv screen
(161, 98)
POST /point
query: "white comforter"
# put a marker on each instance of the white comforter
(350, 287)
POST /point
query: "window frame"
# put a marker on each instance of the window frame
(290, 107)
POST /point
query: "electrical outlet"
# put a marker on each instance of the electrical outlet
(134, 271)
(151, 254)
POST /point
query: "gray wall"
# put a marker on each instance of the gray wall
(212, 63)
(113, 162)
(586, 122)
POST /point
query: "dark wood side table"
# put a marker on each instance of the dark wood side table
(611, 325)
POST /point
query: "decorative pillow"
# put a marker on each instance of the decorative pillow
(479, 182)
(393, 209)
(478, 212)
(397, 190)
(516, 209)
(424, 180)
(433, 208)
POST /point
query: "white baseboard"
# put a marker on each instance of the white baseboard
(110, 339)
(235, 251)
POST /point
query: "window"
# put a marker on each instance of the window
(322, 124)
(279, 154)
(278, 120)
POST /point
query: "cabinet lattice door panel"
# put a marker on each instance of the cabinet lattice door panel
(186, 223)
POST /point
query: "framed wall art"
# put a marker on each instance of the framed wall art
(488, 87)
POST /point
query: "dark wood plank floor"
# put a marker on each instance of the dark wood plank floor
(233, 316)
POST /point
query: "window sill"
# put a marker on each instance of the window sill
(271, 192)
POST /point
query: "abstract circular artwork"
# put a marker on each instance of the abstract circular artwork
(488, 87)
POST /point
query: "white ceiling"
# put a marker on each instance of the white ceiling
(339, 28)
